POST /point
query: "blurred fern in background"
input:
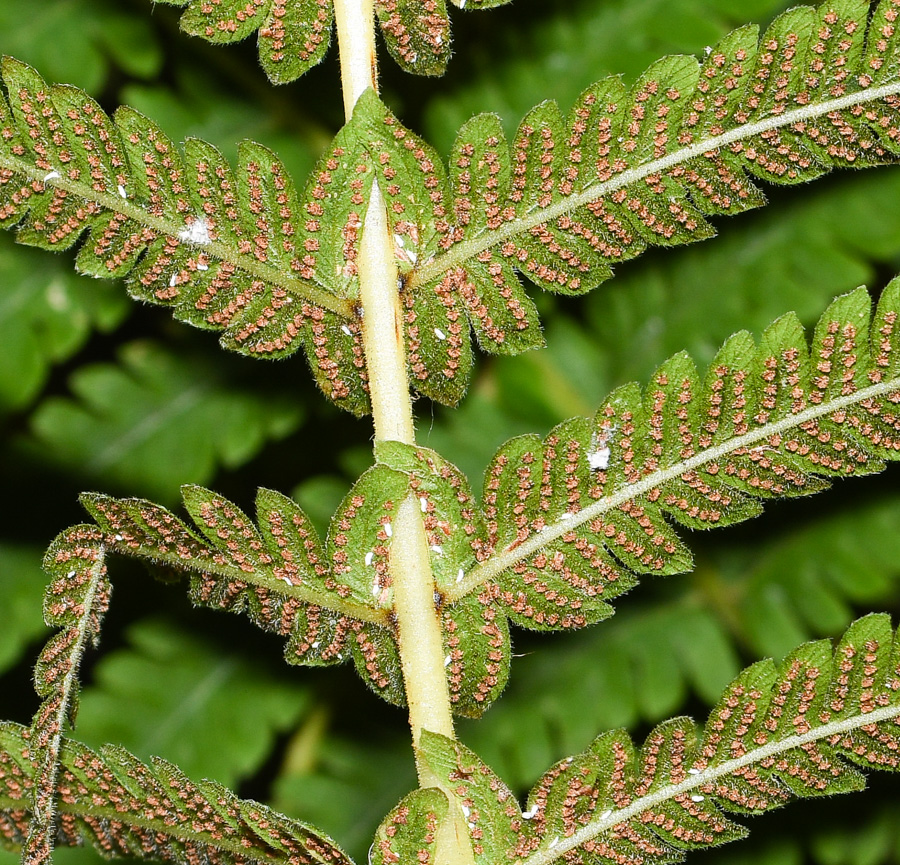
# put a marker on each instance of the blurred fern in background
(95, 394)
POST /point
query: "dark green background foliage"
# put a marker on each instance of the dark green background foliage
(96, 393)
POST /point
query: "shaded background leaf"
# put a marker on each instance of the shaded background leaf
(210, 709)
(78, 41)
(154, 421)
(22, 588)
(47, 313)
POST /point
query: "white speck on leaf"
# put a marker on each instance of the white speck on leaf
(53, 175)
(346, 330)
(439, 333)
(197, 232)
(388, 530)
(121, 190)
(369, 557)
(598, 460)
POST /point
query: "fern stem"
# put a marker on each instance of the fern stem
(418, 627)
(555, 851)
(419, 642)
(168, 228)
(461, 252)
(496, 564)
(355, 23)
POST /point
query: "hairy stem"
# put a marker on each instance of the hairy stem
(418, 626)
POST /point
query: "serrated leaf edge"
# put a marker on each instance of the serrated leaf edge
(500, 562)
(543, 855)
(119, 205)
(464, 250)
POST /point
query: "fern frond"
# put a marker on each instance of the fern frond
(631, 168)
(279, 572)
(332, 601)
(230, 251)
(778, 734)
(75, 601)
(123, 807)
(293, 35)
(572, 519)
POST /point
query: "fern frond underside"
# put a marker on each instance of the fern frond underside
(779, 733)
(125, 808)
(294, 35)
(241, 251)
(627, 169)
(566, 524)
(229, 250)
(75, 601)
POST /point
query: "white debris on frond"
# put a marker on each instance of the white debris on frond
(599, 454)
(197, 232)
(598, 460)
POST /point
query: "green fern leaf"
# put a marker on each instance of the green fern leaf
(777, 734)
(286, 589)
(491, 811)
(229, 251)
(570, 520)
(417, 34)
(294, 36)
(476, 638)
(75, 601)
(408, 833)
(103, 802)
(332, 602)
(646, 166)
